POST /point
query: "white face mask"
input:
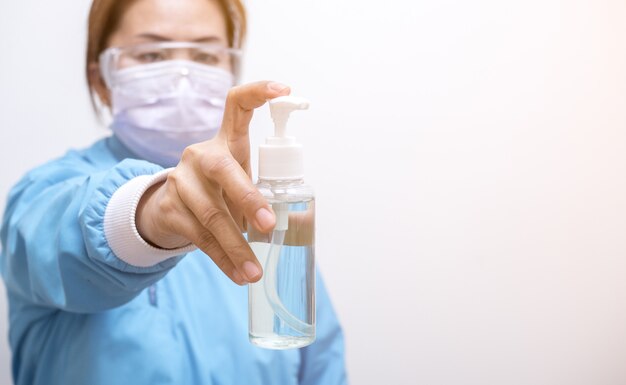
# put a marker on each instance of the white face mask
(161, 108)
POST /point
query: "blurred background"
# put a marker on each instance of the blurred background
(469, 159)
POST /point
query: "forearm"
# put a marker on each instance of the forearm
(55, 251)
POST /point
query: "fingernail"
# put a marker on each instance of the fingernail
(264, 218)
(238, 278)
(276, 86)
(251, 270)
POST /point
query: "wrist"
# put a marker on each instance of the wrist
(150, 224)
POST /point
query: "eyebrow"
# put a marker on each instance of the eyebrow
(156, 37)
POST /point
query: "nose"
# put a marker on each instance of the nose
(181, 54)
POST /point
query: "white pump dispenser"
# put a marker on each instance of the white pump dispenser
(280, 158)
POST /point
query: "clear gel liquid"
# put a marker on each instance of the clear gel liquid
(294, 284)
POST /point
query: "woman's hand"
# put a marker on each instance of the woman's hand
(208, 197)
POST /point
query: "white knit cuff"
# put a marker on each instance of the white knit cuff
(120, 229)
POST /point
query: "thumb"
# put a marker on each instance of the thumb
(241, 102)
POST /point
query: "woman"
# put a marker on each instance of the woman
(104, 251)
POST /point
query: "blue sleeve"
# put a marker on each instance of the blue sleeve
(54, 252)
(323, 361)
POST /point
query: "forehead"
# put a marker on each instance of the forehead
(176, 20)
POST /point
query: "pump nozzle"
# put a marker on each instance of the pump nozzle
(281, 107)
(281, 157)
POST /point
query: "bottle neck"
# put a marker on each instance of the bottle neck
(282, 182)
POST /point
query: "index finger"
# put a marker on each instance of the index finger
(204, 202)
(227, 173)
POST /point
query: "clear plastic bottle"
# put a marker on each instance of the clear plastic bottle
(282, 304)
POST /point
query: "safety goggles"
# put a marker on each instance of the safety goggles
(116, 60)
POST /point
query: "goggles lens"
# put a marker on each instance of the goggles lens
(115, 59)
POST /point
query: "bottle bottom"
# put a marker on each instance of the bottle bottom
(281, 342)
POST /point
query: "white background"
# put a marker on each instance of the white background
(469, 159)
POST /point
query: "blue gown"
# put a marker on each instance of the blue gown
(80, 315)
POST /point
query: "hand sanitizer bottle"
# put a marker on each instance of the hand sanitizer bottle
(282, 304)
